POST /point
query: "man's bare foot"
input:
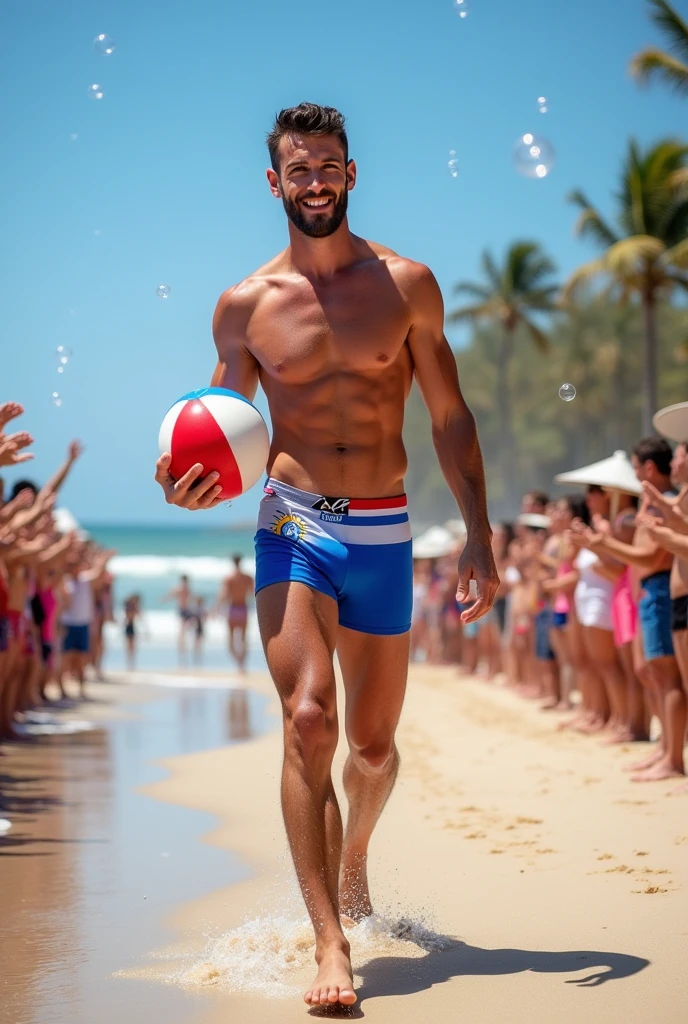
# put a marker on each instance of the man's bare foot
(591, 725)
(334, 982)
(647, 762)
(354, 894)
(661, 770)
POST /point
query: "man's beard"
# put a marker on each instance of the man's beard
(321, 225)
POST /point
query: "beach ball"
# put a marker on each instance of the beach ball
(223, 431)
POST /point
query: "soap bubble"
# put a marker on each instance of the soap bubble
(95, 92)
(567, 392)
(543, 105)
(462, 7)
(73, 137)
(534, 156)
(104, 44)
(97, 231)
(56, 399)
(63, 354)
(162, 291)
(453, 164)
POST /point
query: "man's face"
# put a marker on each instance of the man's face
(643, 470)
(313, 183)
(679, 465)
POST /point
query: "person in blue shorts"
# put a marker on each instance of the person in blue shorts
(336, 329)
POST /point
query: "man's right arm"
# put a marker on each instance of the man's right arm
(236, 370)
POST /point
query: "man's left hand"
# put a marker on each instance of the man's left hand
(476, 562)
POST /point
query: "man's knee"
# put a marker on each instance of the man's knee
(374, 755)
(311, 727)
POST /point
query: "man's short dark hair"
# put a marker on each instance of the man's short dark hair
(538, 498)
(306, 119)
(657, 450)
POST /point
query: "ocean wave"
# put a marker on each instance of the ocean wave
(202, 567)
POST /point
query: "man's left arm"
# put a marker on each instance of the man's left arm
(454, 436)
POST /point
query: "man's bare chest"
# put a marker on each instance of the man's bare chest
(307, 334)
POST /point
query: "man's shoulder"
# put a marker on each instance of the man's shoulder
(242, 298)
(402, 267)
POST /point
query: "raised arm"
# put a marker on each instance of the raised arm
(237, 370)
(58, 478)
(454, 436)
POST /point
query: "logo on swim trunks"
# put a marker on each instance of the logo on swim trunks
(290, 526)
(336, 506)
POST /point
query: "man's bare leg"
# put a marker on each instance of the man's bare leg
(374, 669)
(299, 629)
(671, 707)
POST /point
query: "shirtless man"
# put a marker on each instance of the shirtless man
(652, 563)
(334, 329)
(234, 594)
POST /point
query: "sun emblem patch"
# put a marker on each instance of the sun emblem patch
(290, 526)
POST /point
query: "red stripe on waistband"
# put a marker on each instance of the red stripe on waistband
(370, 503)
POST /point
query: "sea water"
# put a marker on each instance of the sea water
(150, 560)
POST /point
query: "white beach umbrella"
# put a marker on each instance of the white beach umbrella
(672, 422)
(615, 474)
(434, 543)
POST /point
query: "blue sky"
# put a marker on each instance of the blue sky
(169, 168)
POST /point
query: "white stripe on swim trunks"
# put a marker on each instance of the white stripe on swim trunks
(371, 512)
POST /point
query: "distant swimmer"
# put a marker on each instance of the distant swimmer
(234, 594)
(183, 595)
(336, 329)
(132, 615)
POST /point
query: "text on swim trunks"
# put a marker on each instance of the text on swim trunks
(332, 510)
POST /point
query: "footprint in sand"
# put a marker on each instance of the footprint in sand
(650, 891)
(606, 856)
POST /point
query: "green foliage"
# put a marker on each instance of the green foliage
(597, 347)
(672, 66)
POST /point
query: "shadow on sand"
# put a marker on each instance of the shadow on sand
(400, 976)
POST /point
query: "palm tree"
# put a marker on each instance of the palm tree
(509, 297)
(648, 255)
(653, 63)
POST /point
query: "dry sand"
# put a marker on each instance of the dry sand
(552, 888)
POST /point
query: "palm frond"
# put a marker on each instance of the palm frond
(482, 309)
(476, 291)
(673, 26)
(590, 223)
(540, 339)
(491, 271)
(677, 256)
(652, 64)
(584, 275)
(631, 255)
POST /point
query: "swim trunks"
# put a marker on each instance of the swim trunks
(238, 616)
(543, 624)
(654, 612)
(355, 550)
(679, 614)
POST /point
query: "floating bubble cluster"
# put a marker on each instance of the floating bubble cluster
(95, 92)
(104, 44)
(543, 105)
(162, 291)
(462, 8)
(453, 164)
(534, 156)
(56, 399)
(567, 392)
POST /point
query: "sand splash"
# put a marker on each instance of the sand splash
(265, 954)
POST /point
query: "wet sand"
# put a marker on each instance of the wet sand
(522, 876)
(91, 866)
